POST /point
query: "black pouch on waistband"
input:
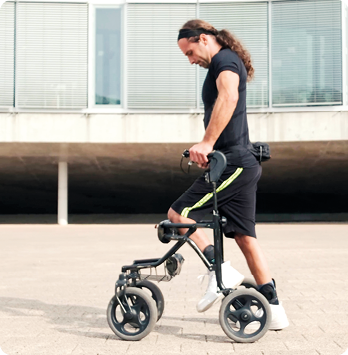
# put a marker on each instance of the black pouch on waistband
(260, 151)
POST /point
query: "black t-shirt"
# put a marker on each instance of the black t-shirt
(234, 139)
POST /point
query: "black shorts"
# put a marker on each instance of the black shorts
(236, 194)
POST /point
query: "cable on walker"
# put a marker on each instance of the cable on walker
(132, 313)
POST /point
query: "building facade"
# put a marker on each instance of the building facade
(101, 87)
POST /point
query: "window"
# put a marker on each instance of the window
(249, 23)
(7, 20)
(159, 75)
(108, 56)
(51, 63)
(306, 53)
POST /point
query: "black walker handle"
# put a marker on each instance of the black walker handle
(217, 164)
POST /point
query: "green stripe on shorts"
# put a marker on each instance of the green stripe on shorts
(208, 196)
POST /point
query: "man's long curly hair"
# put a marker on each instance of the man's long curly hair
(226, 39)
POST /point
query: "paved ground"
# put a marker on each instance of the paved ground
(57, 281)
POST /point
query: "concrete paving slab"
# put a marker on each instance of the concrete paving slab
(56, 283)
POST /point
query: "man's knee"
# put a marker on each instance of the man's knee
(173, 216)
(244, 241)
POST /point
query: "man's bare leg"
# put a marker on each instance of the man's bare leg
(259, 268)
(255, 258)
(249, 246)
(199, 237)
(231, 278)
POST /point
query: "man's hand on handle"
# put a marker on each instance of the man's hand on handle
(199, 152)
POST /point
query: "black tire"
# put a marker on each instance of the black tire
(245, 315)
(156, 294)
(137, 323)
(248, 282)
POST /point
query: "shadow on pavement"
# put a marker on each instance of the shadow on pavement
(69, 315)
(73, 319)
(197, 320)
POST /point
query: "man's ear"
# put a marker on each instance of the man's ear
(203, 38)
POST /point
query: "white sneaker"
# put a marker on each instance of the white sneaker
(279, 318)
(231, 278)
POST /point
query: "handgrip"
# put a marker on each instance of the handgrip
(217, 164)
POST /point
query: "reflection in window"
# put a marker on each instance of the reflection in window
(108, 56)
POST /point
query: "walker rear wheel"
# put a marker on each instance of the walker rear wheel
(132, 314)
(245, 315)
(248, 282)
(156, 294)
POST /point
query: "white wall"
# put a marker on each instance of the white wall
(165, 128)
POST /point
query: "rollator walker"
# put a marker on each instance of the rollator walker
(132, 313)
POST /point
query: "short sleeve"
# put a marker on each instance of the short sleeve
(226, 60)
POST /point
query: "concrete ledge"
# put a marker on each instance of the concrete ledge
(165, 128)
(156, 218)
(310, 217)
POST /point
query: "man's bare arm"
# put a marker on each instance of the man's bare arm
(227, 84)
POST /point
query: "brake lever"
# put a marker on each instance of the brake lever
(186, 154)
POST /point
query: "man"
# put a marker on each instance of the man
(225, 120)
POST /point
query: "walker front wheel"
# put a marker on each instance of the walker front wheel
(132, 314)
(245, 315)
